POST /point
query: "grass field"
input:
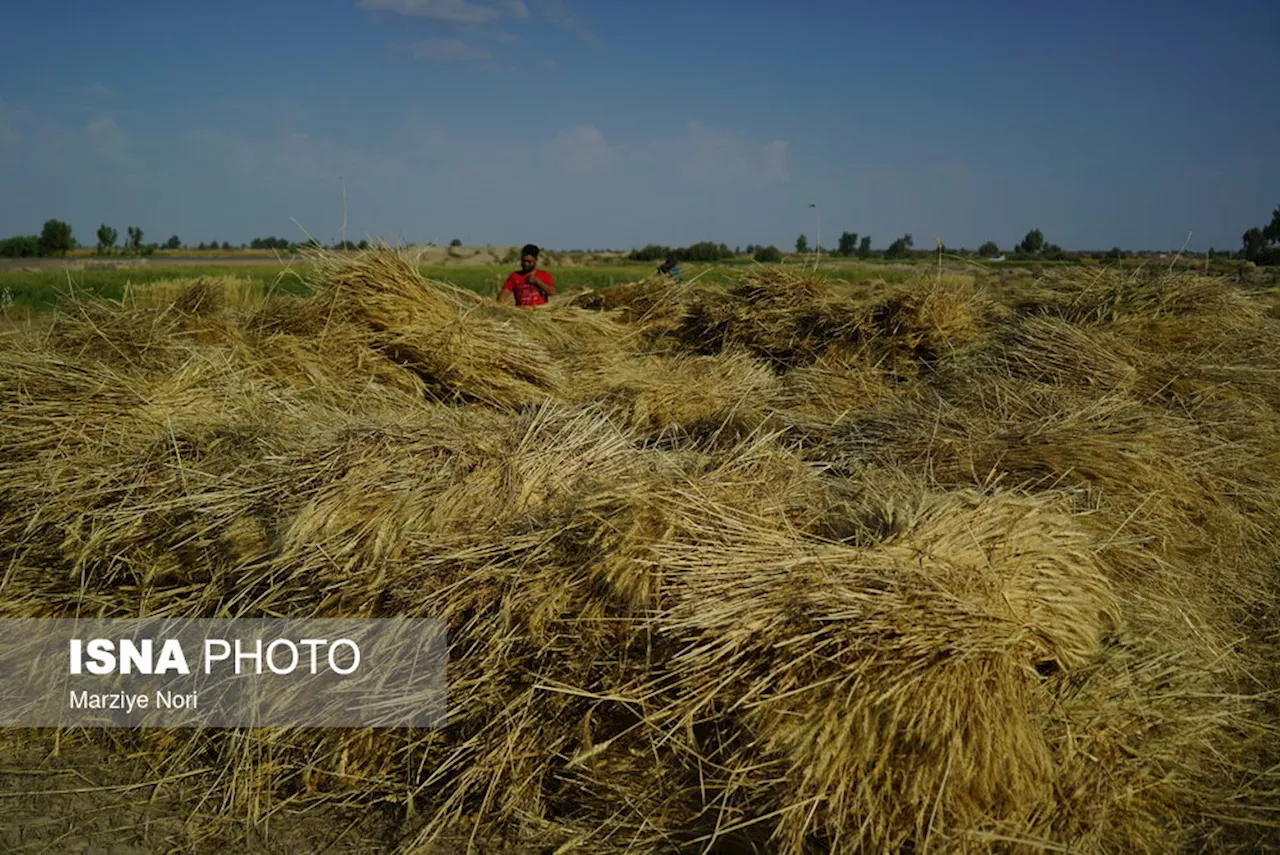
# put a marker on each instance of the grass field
(41, 290)
(37, 287)
(971, 562)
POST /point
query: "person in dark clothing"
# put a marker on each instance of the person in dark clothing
(671, 268)
(528, 285)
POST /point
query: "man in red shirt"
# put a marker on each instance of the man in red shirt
(529, 286)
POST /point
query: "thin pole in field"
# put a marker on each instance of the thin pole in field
(343, 182)
(817, 247)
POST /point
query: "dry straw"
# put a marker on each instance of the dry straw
(941, 568)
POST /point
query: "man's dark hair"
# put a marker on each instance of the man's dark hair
(529, 249)
(671, 261)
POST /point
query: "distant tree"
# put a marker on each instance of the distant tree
(704, 251)
(989, 250)
(173, 242)
(848, 244)
(22, 246)
(134, 243)
(55, 238)
(362, 245)
(899, 247)
(1272, 230)
(1032, 244)
(106, 239)
(864, 247)
(202, 247)
(456, 242)
(1053, 252)
(768, 254)
(1255, 241)
(226, 245)
(802, 245)
(651, 252)
(1116, 254)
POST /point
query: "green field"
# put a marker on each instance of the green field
(41, 290)
(35, 291)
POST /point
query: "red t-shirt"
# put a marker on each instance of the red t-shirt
(526, 293)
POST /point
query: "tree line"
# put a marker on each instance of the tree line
(1259, 245)
(56, 239)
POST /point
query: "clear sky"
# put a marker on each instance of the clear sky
(592, 124)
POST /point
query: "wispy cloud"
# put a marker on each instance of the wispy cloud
(558, 14)
(512, 9)
(465, 13)
(446, 11)
(581, 149)
(709, 154)
(447, 50)
(189, 181)
(110, 141)
(703, 156)
(484, 15)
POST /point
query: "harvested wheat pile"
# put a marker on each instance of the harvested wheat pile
(768, 567)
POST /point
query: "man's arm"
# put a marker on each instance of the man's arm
(504, 294)
(546, 284)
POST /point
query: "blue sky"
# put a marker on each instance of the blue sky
(585, 124)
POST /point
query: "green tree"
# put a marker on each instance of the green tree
(899, 247)
(704, 251)
(106, 239)
(1032, 243)
(989, 250)
(134, 243)
(848, 244)
(173, 242)
(55, 238)
(456, 242)
(802, 245)
(1255, 241)
(651, 252)
(768, 254)
(22, 246)
(1272, 230)
(226, 244)
(864, 247)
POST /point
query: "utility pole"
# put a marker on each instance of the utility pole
(817, 247)
(343, 182)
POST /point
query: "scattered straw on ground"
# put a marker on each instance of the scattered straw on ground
(789, 566)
